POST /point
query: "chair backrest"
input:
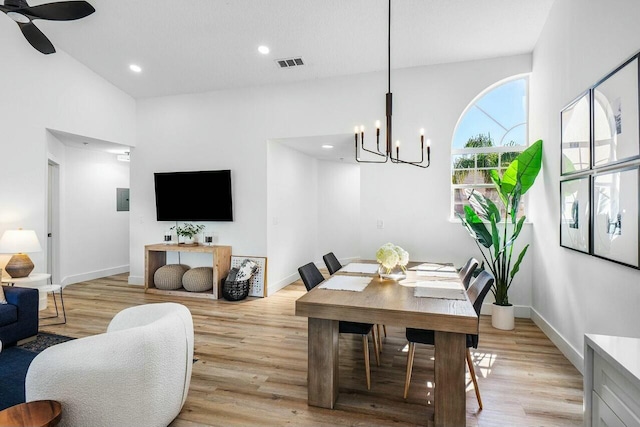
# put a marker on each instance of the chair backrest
(466, 272)
(310, 275)
(332, 262)
(479, 289)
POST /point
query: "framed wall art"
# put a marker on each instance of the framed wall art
(615, 215)
(575, 138)
(616, 126)
(575, 214)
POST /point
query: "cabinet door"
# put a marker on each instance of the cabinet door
(602, 415)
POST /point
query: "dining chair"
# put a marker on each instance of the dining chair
(311, 277)
(333, 265)
(476, 293)
(466, 272)
(331, 262)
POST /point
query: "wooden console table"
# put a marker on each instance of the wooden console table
(155, 256)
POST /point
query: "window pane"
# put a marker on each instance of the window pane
(489, 160)
(500, 113)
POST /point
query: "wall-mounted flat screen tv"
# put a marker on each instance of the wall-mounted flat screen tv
(194, 196)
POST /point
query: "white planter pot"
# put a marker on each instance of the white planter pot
(502, 317)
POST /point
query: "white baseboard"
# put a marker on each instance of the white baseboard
(559, 341)
(272, 288)
(83, 277)
(522, 311)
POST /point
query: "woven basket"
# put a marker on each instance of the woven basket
(235, 291)
(198, 279)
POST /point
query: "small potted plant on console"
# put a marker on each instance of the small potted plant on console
(187, 232)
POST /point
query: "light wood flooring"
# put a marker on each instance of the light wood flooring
(251, 367)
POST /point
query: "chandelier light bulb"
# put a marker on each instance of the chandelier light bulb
(422, 132)
(398, 143)
(362, 129)
(377, 124)
(355, 130)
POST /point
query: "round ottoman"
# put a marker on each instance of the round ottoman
(169, 277)
(198, 279)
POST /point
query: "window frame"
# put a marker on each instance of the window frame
(488, 150)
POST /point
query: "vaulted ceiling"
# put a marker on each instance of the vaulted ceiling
(202, 45)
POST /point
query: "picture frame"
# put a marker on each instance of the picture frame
(615, 107)
(575, 137)
(615, 211)
(258, 283)
(575, 214)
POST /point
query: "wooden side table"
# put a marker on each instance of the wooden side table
(39, 413)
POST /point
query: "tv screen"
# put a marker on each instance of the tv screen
(193, 196)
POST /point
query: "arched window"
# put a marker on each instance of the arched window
(491, 132)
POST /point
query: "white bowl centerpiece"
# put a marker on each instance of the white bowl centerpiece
(393, 262)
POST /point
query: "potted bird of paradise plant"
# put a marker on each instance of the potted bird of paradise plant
(496, 236)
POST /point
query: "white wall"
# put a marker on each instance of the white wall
(47, 91)
(338, 210)
(574, 293)
(94, 237)
(292, 212)
(230, 129)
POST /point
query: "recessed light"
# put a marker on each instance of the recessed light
(327, 146)
(263, 49)
(135, 68)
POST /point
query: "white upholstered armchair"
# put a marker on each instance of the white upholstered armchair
(136, 374)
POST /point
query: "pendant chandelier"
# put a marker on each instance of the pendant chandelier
(388, 154)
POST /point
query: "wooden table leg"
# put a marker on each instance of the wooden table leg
(450, 396)
(322, 381)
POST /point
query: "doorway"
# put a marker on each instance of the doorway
(53, 221)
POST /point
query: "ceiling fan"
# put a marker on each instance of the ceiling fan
(23, 15)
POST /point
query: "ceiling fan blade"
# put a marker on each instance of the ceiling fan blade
(36, 38)
(61, 11)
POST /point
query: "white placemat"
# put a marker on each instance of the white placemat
(434, 267)
(346, 283)
(435, 289)
(357, 267)
(449, 274)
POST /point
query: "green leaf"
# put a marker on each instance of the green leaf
(497, 183)
(516, 266)
(516, 231)
(515, 202)
(482, 235)
(524, 168)
(490, 210)
(495, 238)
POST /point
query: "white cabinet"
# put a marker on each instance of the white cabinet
(611, 381)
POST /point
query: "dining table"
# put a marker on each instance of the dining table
(430, 297)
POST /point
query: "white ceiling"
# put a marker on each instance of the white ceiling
(202, 45)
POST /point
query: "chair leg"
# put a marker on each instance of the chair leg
(384, 328)
(410, 354)
(376, 349)
(365, 345)
(472, 371)
(379, 336)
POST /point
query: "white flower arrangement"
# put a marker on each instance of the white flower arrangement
(390, 255)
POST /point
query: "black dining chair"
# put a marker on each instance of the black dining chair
(333, 265)
(466, 272)
(331, 262)
(311, 277)
(476, 293)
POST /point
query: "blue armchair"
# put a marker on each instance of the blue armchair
(18, 318)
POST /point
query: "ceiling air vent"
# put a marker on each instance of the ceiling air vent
(289, 62)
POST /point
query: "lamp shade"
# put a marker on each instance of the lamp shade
(19, 241)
